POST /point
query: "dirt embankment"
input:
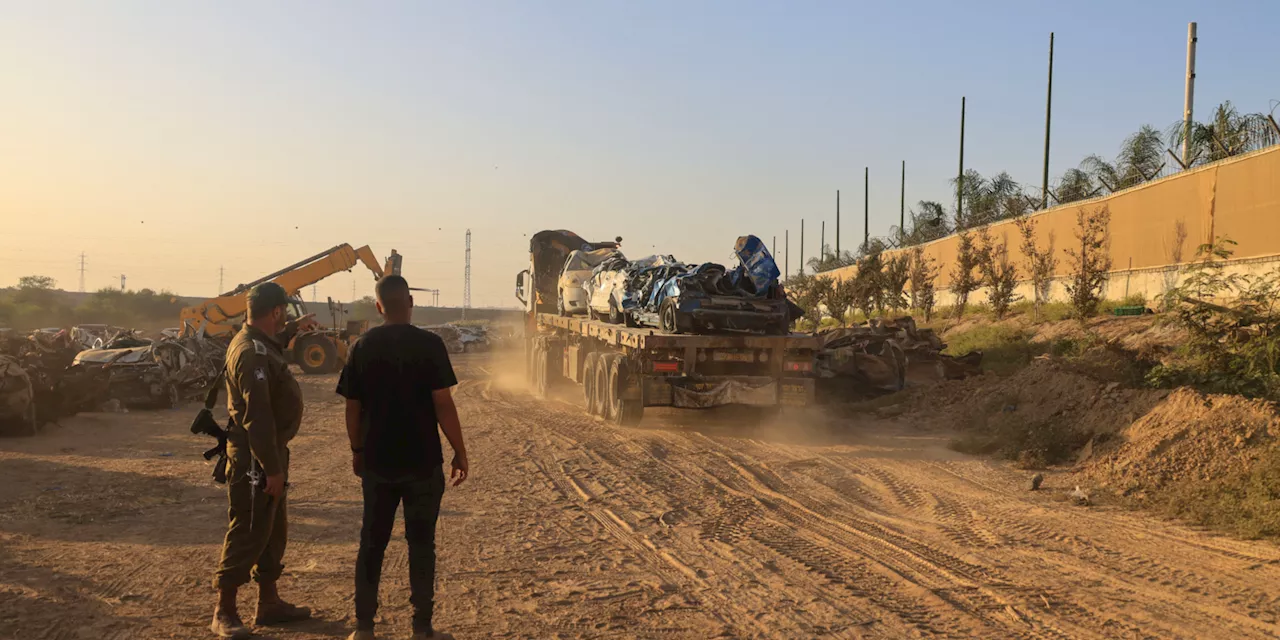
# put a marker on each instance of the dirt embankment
(1082, 406)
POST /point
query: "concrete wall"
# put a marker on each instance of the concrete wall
(1238, 198)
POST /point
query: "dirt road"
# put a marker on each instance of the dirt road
(682, 528)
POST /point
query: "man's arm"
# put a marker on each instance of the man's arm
(447, 414)
(349, 388)
(353, 435)
(252, 376)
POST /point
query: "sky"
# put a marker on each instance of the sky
(179, 142)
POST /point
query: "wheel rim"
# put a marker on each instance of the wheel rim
(313, 355)
(669, 318)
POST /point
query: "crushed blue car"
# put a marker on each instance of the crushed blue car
(708, 298)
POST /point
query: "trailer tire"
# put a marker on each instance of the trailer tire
(589, 380)
(541, 379)
(627, 413)
(602, 404)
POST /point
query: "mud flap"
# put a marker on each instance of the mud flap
(697, 395)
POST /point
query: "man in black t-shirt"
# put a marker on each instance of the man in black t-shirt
(396, 382)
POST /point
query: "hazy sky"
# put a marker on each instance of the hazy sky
(168, 139)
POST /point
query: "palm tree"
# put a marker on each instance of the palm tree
(1229, 133)
(1075, 184)
(928, 222)
(1141, 158)
(989, 200)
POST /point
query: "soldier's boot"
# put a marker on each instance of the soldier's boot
(272, 610)
(226, 620)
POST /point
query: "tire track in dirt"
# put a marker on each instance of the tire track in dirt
(946, 583)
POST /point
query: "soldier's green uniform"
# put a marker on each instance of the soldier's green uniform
(265, 403)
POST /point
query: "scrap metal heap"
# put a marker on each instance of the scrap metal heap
(156, 374)
(463, 338)
(49, 375)
(888, 356)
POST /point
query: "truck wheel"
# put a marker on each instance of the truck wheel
(316, 355)
(668, 319)
(602, 403)
(540, 374)
(627, 413)
(589, 380)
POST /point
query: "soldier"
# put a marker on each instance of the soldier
(265, 404)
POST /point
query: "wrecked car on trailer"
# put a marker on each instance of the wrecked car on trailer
(709, 298)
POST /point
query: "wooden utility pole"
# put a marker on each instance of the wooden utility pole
(1048, 110)
(960, 176)
(866, 208)
(1189, 98)
(902, 204)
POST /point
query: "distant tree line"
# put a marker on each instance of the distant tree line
(35, 302)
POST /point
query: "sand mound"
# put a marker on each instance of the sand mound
(1045, 391)
(1190, 437)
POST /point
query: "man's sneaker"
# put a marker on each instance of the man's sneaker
(362, 635)
(228, 626)
(437, 635)
(279, 613)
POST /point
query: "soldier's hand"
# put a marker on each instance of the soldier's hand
(357, 464)
(275, 485)
(460, 469)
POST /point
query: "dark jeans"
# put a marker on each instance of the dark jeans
(421, 493)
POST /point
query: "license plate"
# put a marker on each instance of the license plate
(795, 395)
(733, 356)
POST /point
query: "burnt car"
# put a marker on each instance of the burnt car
(710, 298)
(157, 375)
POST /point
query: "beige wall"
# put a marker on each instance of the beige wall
(1237, 198)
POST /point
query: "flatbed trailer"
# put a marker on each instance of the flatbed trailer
(623, 369)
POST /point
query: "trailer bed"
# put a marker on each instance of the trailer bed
(645, 338)
(635, 367)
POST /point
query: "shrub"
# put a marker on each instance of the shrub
(999, 275)
(896, 274)
(1091, 262)
(838, 297)
(923, 273)
(808, 292)
(963, 280)
(1233, 328)
(1040, 263)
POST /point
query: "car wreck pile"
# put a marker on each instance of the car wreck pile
(48, 375)
(463, 338)
(887, 356)
(662, 292)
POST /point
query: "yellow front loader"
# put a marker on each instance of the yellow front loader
(312, 347)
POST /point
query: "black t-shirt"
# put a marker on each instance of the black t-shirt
(392, 371)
